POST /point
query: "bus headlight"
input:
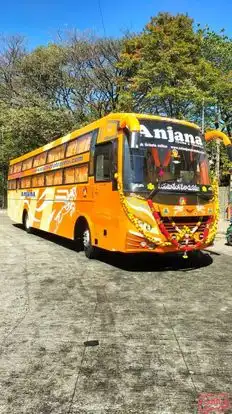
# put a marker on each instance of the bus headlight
(145, 226)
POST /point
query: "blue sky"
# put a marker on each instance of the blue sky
(39, 21)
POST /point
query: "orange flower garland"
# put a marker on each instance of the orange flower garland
(184, 234)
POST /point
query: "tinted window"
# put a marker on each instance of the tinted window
(103, 162)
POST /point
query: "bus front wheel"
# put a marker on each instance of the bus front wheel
(89, 249)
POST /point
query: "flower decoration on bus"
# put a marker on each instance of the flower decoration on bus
(181, 240)
(175, 153)
(150, 186)
(182, 201)
(144, 225)
(204, 188)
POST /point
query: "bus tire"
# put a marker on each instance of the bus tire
(26, 223)
(89, 249)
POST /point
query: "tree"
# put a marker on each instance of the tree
(44, 78)
(52, 90)
(217, 49)
(165, 72)
(79, 75)
(168, 69)
(24, 129)
(93, 74)
(12, 51)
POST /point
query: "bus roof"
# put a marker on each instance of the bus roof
(95, 125)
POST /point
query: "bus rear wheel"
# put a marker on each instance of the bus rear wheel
(26, 223)
(89, 249)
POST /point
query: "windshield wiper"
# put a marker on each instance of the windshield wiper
(153, 193)
(204, 196)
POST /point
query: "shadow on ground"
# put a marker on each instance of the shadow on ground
(142, 262)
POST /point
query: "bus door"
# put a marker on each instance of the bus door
(106, 198)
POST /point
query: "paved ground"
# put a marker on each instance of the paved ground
(222, 226)
(220, 244)
(221, 247)
(163, 326)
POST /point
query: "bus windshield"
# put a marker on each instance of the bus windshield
(170, 156)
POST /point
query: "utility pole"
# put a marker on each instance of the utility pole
(217, 163)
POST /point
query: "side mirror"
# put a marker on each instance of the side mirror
(131, 126)
(210, 135)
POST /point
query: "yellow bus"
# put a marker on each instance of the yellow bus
(127, 182)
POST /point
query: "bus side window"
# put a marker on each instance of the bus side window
(103, 162)
(92, 151)
(18, 183)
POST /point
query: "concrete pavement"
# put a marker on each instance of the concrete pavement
(163, 325)
(220, 245)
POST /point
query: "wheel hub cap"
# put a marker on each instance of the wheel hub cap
(86, 238)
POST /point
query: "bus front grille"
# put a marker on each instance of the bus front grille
(180, 222)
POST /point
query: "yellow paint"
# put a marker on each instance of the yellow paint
(128, 221)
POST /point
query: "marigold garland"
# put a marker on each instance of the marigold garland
(135, 220)
(208, 234)
(214, 227)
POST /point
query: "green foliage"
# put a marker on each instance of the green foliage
(27, 128)
(43, 74)
(170, 69)
(225, 163)
(24, 129)
(165, 71)
(217, 49)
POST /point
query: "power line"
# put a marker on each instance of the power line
(102, 19)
